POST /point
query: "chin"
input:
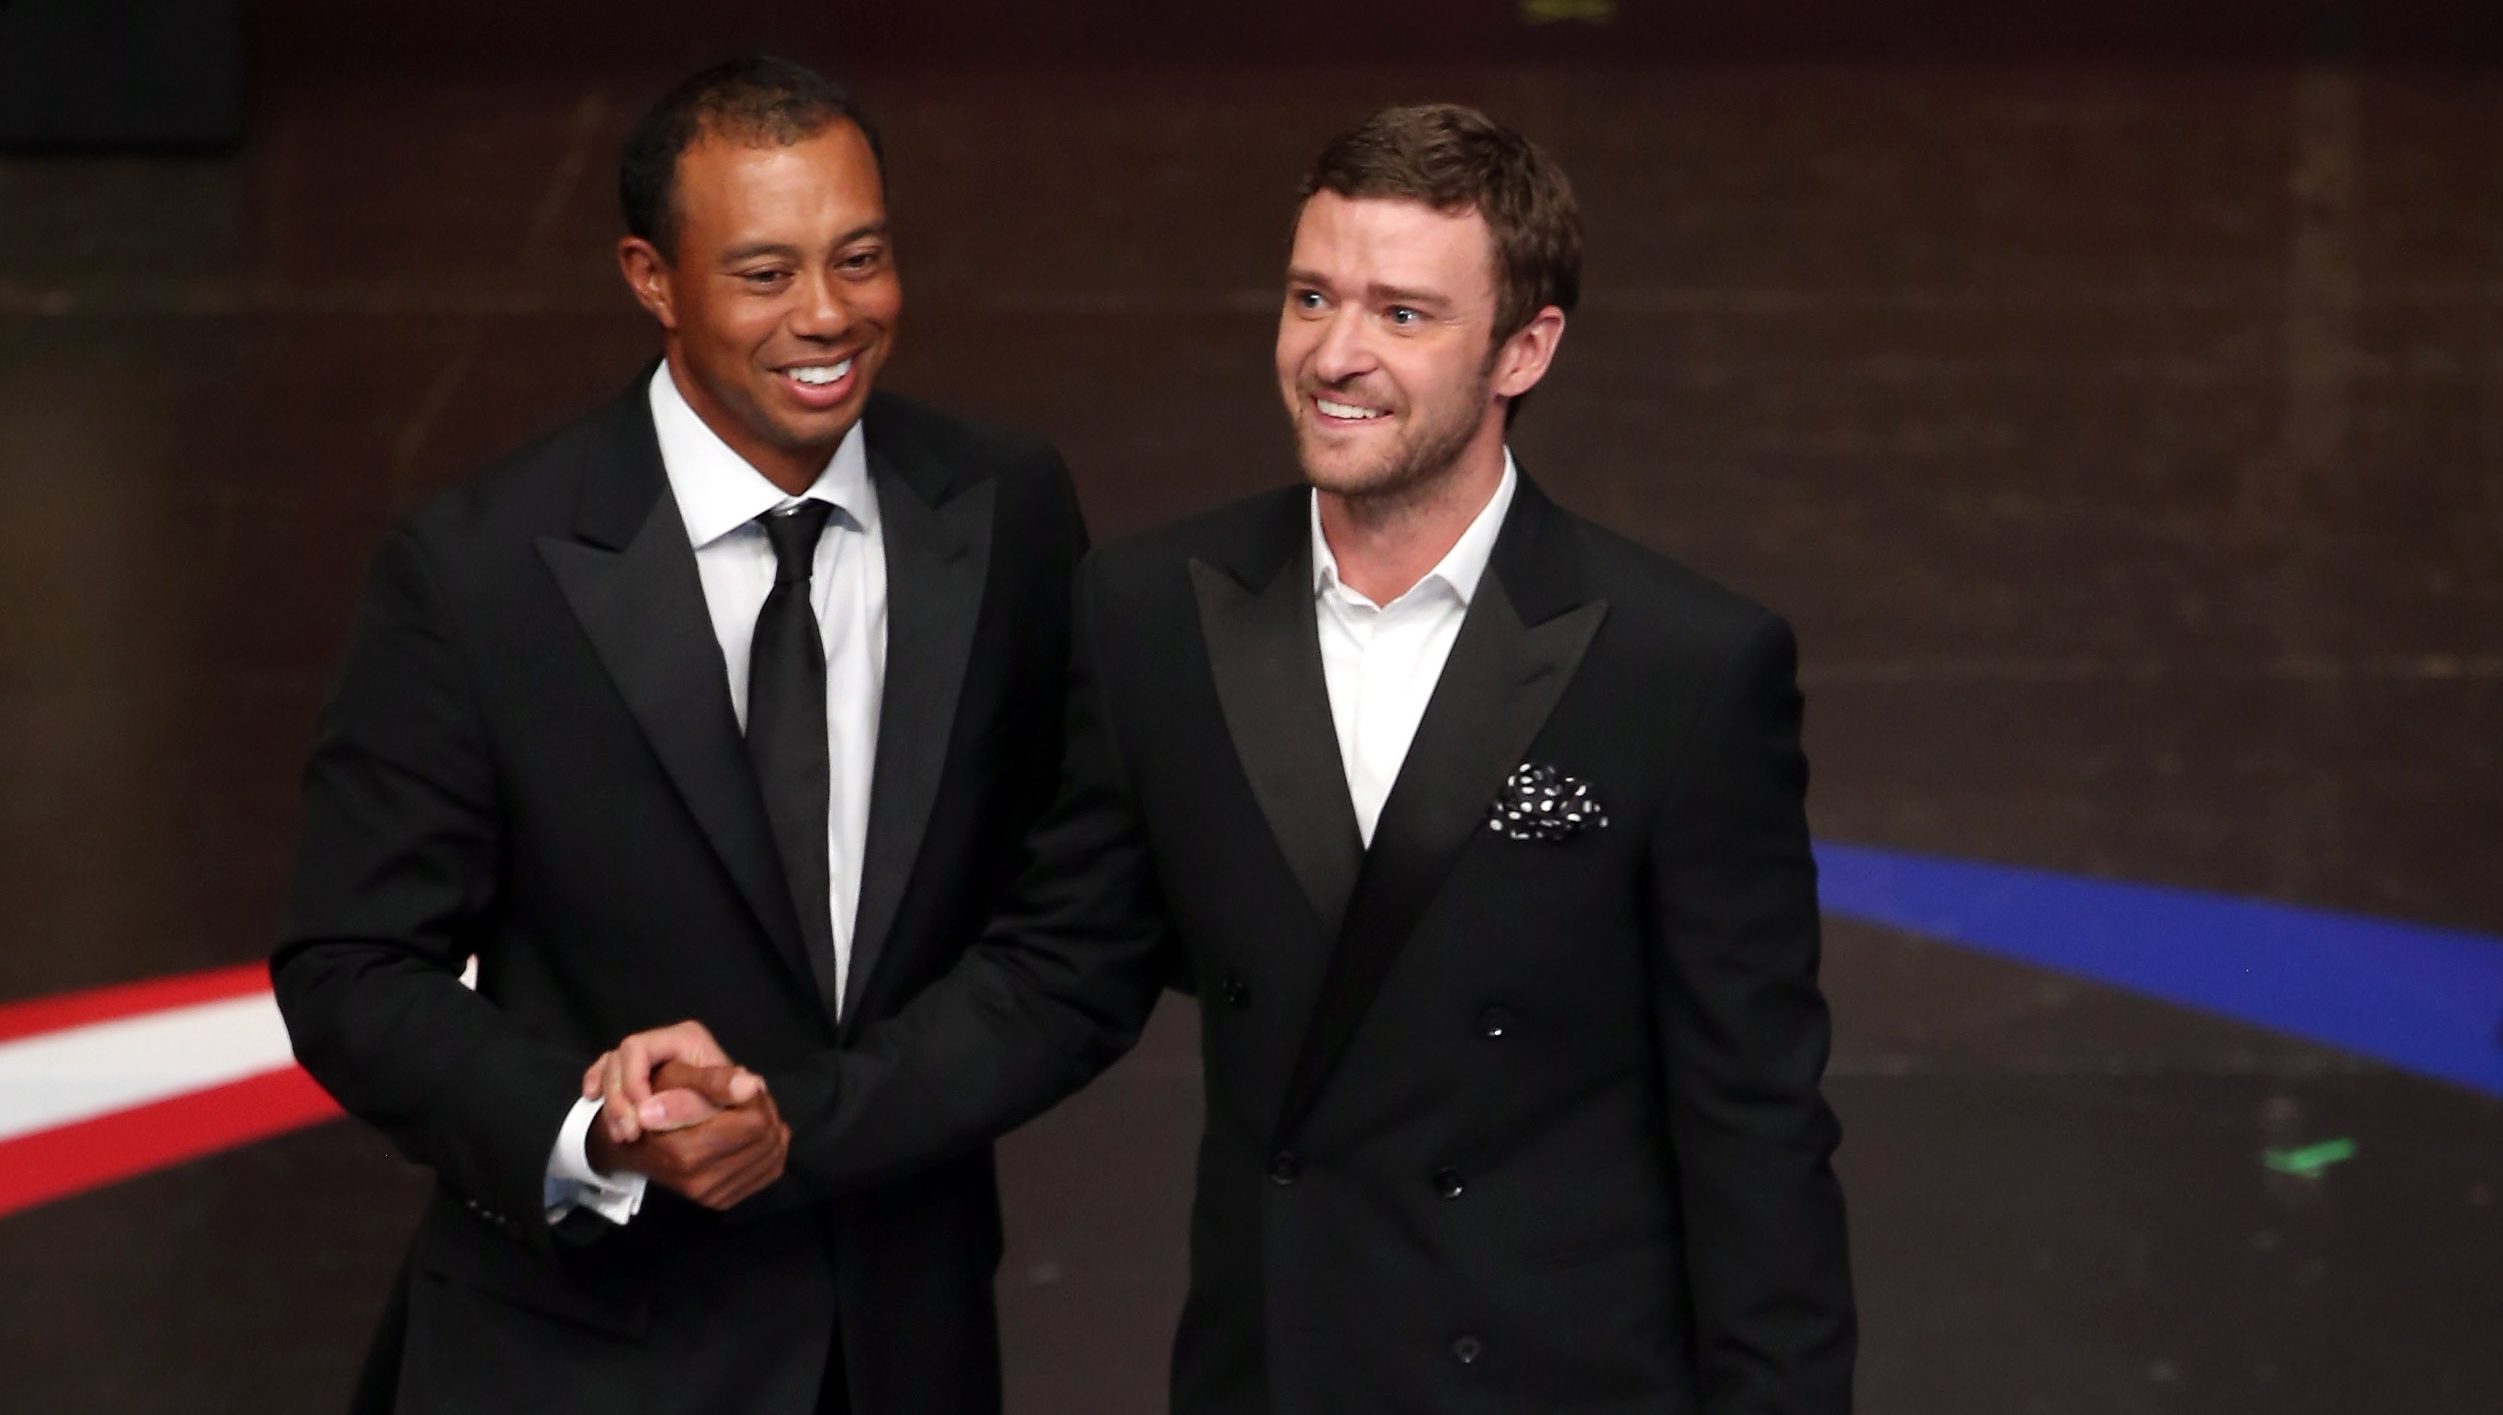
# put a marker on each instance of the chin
(1349, 481)
(822, 429)
(1334, 468)
(1326, 472)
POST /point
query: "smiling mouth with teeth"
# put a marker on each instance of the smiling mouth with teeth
(819, 374)
(1346, 410)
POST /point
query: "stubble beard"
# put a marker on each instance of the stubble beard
(1407, 472)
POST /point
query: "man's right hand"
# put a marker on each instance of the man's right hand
(717, 1139)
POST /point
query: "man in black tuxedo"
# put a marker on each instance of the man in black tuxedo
(1482, 832)
(734, 700)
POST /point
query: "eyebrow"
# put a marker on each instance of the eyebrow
(1400, 295)
(1377, 292)
(753, 249)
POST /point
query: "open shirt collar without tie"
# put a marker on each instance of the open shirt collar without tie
(1458, 572)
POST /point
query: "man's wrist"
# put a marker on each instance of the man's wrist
(570, 1157)
(614, 1195)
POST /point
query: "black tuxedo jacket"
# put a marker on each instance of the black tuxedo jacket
(530, 757)
(1493, 1124)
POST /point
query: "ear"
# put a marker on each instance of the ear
(1523, 359)
(648, 275)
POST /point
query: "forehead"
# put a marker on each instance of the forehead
(830, 175)
(1395, 241)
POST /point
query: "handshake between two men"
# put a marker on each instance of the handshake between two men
(675, 1109)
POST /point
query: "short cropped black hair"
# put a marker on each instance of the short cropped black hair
(758, 101)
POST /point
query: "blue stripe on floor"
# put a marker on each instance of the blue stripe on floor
(2426, 1000)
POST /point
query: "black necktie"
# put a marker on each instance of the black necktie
(786, 729)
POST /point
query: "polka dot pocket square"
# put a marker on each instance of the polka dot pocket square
(1541, 803)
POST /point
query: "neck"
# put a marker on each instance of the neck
(1386, 541)
(789, 477)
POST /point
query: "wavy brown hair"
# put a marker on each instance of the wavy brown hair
(1456, 159)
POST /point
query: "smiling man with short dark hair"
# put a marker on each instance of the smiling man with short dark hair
(730, 701)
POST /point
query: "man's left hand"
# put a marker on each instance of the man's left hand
(735, 1149)
(622, 1081)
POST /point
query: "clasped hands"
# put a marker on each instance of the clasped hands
(675, 1108)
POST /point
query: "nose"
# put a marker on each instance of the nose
(819, 311)
(1342, 353)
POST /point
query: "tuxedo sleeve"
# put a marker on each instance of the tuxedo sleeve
(1745, 1035)
(1057, 989)
(395, 880)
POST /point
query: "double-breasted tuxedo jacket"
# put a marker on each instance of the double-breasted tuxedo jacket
(530, 757)
(1499, 1118)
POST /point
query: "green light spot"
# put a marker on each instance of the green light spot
(2308, 1161)
(1547, 12)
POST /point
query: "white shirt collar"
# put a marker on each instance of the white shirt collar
(1461, 567)
(718, 491)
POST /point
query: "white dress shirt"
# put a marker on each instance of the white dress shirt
(719, 496)
(1382, 660)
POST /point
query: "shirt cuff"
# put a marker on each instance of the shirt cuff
(571, 1181)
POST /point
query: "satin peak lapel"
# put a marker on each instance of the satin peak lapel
(1265, 653)
(1500, 683)
(642, 606)
(937, 559)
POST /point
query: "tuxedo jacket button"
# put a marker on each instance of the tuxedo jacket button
(1285, 1167)
(1449, 1184)
(1467, 1349)
(1494, 1022)
(1236, 992)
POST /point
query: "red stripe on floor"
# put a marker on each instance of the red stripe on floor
(77, 1009)
(50, 1164)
